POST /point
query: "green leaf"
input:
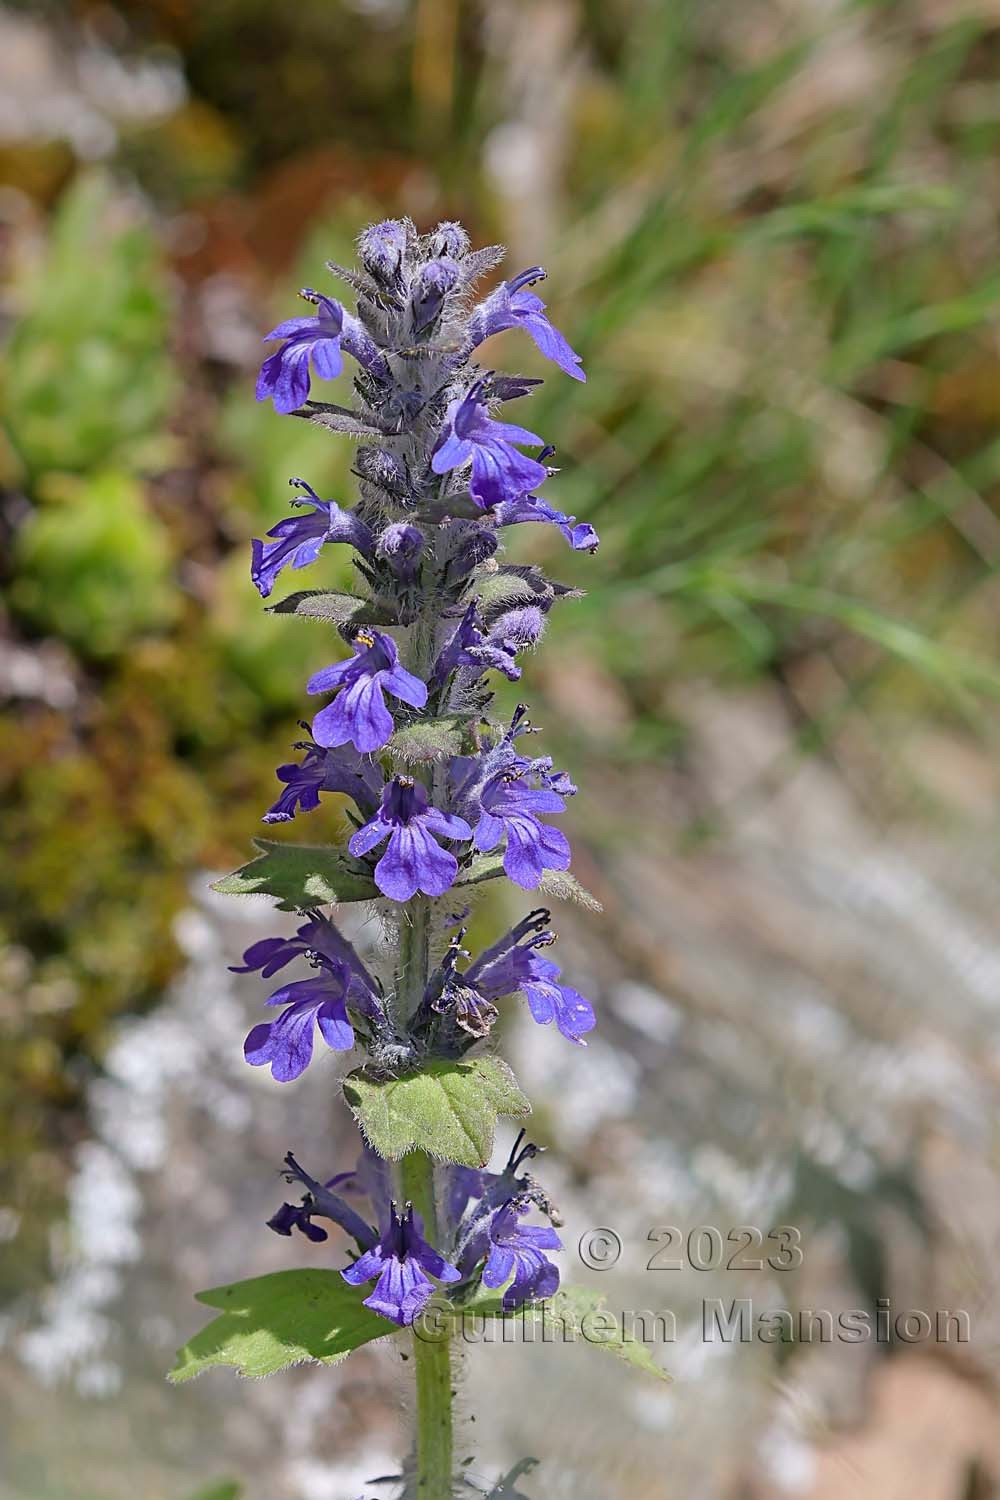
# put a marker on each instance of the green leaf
(574, 1315)
(559, 884)
(274, 1321)
(428, 740)
(586, 1317)
(337, 609)
(301, 876)
(225, 1489)
(337, 419)
(448, 1109)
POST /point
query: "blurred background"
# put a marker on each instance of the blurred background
(772, 232)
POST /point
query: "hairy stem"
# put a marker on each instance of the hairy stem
(431, 1355)
(414, 957)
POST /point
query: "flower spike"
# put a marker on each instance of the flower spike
(440, 794)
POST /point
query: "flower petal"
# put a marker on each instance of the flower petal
(327, 359)
(335, 1029)
(358, 714)
(397, 873)
(499, 1267)
(367, 837)
(364, 1268)
(404, 685)
(287, 1043)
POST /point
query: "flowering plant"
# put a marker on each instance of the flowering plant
(445, 798)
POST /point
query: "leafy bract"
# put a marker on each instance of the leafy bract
(428, 740)
(333, 607)
(448, 1109)
(299, 876)
(270, 1322)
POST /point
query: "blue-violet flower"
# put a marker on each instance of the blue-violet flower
(414, 860)
(298, 539)
(284, 376)
(499, 471)
(512, 306)
(358, 713)
(404, 1262)
(516, 1251)
(510, 807)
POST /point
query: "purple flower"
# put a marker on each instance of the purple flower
(287, 1043)
(320, 1202)
(303, 784)
(514, 965)
(499, 471)
(474, 1196)
(449, 994)
(284, 376)
(509, 808)
(580, 534)
(469, 646)
(317, 938)
(516, 1251)
(512, 306)
(548, 1000)
(297, 1216)
(473, 776)
(414, 860)
(298, 539)
(481, 651)
(323, 770)
(358, 713)
(404, 1262)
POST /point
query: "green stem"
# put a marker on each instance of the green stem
(414, 957)
(431, 1356)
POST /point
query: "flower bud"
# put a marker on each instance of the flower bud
(381, 248)
(401, 546)
(521, 627)
(451, 239)
(463, 546)
(431, 285)
(382, 469)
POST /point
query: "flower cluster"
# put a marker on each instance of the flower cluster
(441, 796)
(482, 1220)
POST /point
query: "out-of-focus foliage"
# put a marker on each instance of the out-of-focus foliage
(89, 376)
(157, 694)
(93, 565)
(789, 439)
